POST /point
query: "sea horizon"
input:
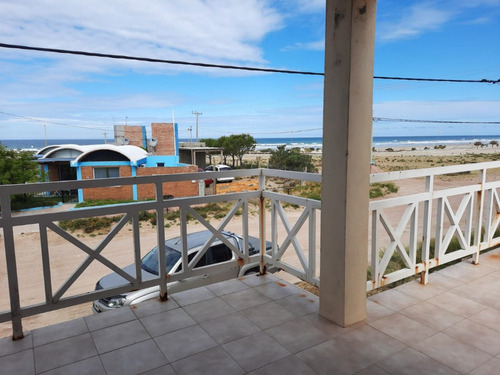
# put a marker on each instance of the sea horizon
(315, 143)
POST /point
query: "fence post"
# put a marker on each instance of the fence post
(478, 216)
(262, 222)
(426, 237)
(10, 257)
(160, 230)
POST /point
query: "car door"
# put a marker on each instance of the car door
(218, 254)
(193, 281)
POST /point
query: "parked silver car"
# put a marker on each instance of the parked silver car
(220, 168)
(218, 252)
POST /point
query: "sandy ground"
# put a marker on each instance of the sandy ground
(65, 258)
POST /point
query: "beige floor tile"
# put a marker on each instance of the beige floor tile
(452, 352)
(213, 361)
(394, 299)
(351, 352)
(457, 304)
(403, 328)
(268, 315)
(477, 335)
(255, 351)
(490, 317)
(297, 335)
(422, 292)
(431, 315)
(466, 271)
(412, 362)
(490, 367)
(375, 310)
(134, 359)
(290, 366)
(229, 328)
(184, 343)
(77, 348)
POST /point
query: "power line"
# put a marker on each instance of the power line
(484, 80)
(51, 122)
(153, 60)
(221, 66)
(375, 119)
(385, 119)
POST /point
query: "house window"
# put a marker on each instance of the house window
(106, 172)
(160, 164)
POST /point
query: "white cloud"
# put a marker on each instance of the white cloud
(318, 45)
(457, 110)
(420, 18)
(409, 21)
(225, 30)
(311, 5)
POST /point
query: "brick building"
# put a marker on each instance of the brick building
(126, 158)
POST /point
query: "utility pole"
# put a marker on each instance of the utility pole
(105, 138)
(197, 114)
(190, 129)
(45, 133)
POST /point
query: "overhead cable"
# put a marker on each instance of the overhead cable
(221, 66)
(51, 122)
(385, 119)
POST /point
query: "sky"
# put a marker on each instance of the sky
(54, 96)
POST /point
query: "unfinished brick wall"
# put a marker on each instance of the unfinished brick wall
(109, 192)
(133, 133)
(144, 191)
(177, 189)
(165, 134)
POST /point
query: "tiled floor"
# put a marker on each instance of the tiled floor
(263, 325)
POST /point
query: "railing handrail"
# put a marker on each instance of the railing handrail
(431, 172)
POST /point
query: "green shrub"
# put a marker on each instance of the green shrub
(89, 225)
(380, 189)
(102, 202)
(146, 215)
(22, 202)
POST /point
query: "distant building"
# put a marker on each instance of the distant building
(197, 152)
(132, 154)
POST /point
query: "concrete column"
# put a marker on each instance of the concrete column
(347, 136)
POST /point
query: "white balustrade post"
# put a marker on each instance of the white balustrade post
(10, 257)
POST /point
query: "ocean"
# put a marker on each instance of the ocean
(290, 142)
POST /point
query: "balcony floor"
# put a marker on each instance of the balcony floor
(263, 325)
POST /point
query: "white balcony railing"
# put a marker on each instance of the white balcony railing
(290, 222)
(56, 295)
(467, 215)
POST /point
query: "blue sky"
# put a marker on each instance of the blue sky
(81, 97)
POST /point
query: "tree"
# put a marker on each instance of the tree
(236, 146)
(18, 167)
(241, 144)
(226, 147)
(210, 142)
(291, 160)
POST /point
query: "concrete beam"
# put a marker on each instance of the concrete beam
(347, 138)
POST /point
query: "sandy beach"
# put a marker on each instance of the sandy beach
(64, 257)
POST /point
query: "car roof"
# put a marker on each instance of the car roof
(194, 240)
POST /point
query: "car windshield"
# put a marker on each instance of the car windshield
(150, 261)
